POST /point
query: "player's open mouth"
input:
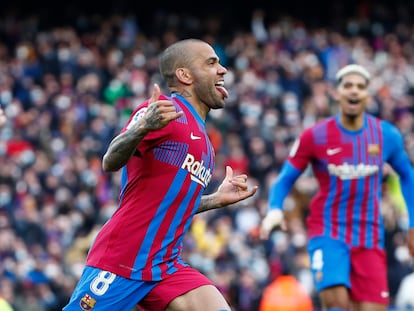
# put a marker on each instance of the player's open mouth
(353, 101)
(220, 87)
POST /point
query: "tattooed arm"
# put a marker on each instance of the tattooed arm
(122, 147)
(159, 113)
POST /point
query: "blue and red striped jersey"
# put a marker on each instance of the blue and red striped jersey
(349, 168)
(161, 187)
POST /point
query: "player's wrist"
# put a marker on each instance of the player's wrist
(143, 127)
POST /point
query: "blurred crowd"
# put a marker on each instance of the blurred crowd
(67, 90)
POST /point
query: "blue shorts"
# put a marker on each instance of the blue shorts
(99, 290)
(362, 270)
(330, 262)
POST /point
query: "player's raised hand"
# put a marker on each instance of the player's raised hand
(273, 219)
(159, 112)
(234, 188)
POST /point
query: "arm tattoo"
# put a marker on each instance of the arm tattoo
(121, 149)
(207, 203)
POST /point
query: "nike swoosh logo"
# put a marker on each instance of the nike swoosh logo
(194, 137)
(333, 151)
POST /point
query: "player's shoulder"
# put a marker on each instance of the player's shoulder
(375, 119)
(388, 128)
(140, 110)
(320, 125)
(164, 97)
(389, 131)
(326, 122)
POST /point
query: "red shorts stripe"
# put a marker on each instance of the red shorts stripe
(369, 275)
(179, 283)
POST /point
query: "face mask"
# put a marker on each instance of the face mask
(63, 54)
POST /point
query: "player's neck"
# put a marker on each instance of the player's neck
(352, 123)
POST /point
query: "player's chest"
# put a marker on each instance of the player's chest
(195, 140)
(353, 150)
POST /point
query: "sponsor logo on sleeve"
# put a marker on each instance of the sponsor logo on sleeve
(138, 116)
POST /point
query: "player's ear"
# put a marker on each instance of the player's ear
(184, 75)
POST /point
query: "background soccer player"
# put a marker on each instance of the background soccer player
(347, 153)
(167, 161)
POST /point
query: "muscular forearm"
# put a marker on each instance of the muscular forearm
(208, 202)
(121, 149)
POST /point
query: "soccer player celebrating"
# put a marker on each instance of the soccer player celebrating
(347, 153)
(167, 162)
